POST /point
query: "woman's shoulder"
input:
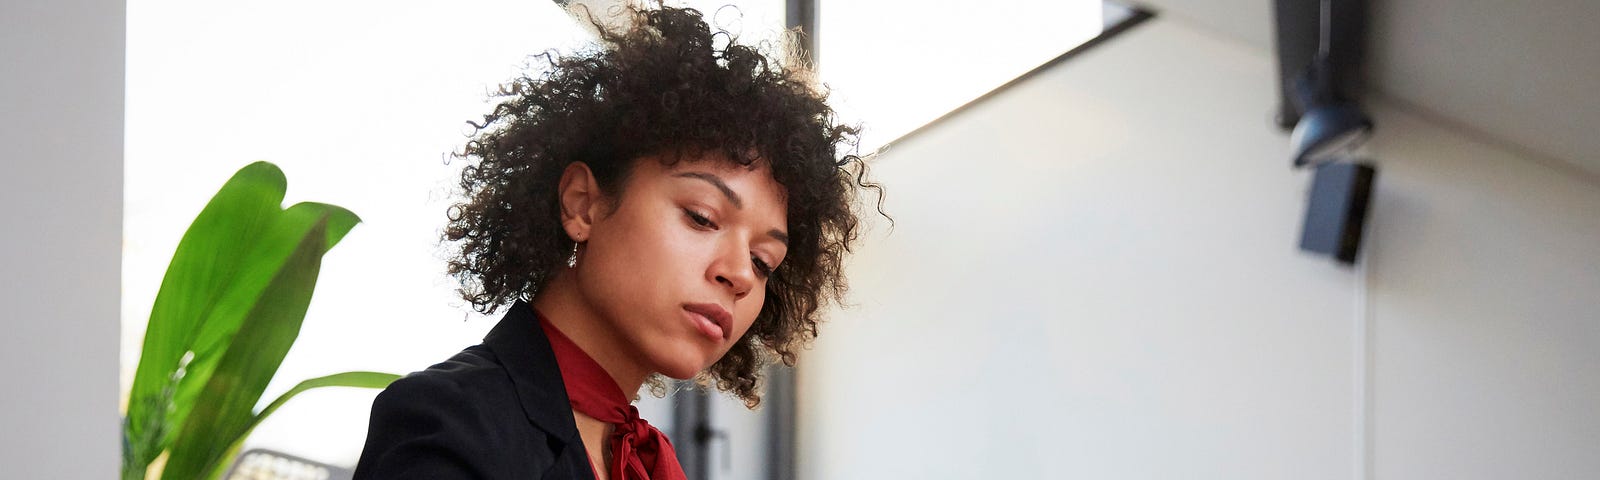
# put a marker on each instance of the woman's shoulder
(456, 419)
(474, 370)
(466, 391)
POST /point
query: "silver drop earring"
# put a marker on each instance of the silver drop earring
(572, 260)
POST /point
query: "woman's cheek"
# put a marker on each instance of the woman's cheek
(750, 310)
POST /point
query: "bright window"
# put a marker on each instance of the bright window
(896, 66)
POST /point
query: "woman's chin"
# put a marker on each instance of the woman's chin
(682, 369)
(680, 373)
(683, 361)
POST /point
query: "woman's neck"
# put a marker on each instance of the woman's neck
(593, 433)
(561, 304)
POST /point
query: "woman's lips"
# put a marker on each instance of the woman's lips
(713, 320)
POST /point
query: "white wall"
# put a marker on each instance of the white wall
(1094, 275)
(1485, 310)
(61, 147)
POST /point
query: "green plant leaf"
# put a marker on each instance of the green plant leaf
(202, 268)
(222, 408)
(346, 379)
(271, 255)
(236, 249)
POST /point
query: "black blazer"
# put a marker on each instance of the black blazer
(495, 410)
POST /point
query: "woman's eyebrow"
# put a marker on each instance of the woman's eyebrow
(733, 197)
(716, 181)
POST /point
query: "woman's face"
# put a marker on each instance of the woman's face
(678, 271)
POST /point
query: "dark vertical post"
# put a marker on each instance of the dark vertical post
(1299, 35)
(802, 14)
(1297, 32)
(779, 400)
(691, 422)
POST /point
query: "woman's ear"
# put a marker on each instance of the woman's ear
(580, 200)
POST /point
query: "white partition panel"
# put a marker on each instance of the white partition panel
(1093, 275)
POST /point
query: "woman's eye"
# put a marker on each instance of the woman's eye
(699, 219)
(761, 266)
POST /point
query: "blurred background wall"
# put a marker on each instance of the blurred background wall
(1093, 274)
(61, 92)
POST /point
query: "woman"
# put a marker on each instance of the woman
(672, 204)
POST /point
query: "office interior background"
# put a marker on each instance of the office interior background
(1093, 271)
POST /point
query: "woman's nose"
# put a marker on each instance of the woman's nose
(734, 271)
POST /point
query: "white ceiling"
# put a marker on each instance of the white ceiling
(1525, 74)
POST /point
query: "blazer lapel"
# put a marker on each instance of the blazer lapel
(521, 346)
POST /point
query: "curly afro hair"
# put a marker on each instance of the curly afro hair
(662, 86)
